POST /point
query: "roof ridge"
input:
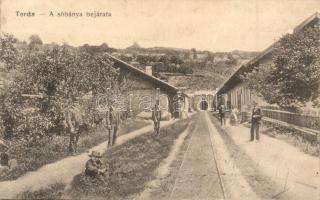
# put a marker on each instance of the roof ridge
(143, 72)
(306, 21)
(269, 48)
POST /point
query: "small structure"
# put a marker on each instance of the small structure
(145, 88)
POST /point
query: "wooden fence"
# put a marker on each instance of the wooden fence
(302, 120)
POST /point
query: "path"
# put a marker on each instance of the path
(295, 172)
(63, 170)
(206, 157)
(265, 169)
(163, 169)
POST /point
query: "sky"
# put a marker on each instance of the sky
(215, 25)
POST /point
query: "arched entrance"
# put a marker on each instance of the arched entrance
(203, 105)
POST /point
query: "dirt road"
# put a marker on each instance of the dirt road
(220, 163)
(203, 171)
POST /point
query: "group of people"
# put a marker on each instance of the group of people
(256, 117)
(110, 119)
(94, 167)
(75, 124)
(74, 118)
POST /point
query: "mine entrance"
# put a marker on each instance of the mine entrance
(203, 105)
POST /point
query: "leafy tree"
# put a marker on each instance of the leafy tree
(176, 60)
(135, 45)
(9, 51)
(164, 59)
(34, 41)
(231, 60)
(143, 60)
(59, 73)
(292, 79)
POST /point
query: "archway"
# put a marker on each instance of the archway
(203, 105)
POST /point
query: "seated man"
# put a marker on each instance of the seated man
(94, 167)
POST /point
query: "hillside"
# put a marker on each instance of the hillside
(188, 69)
(184, 68)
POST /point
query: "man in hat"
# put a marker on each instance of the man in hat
(94, 166)
(255, 121)
(222, 114)
(156, 117)
(74, 119)
(112, 123)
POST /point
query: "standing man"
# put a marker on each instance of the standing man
(4, 157)
(75, 125)
(222, 114)
(255, 121)
(112, 123)
(156, 117)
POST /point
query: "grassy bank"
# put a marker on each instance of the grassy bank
(167, 183)
(131, 167)
(49, 150)
(292, 137)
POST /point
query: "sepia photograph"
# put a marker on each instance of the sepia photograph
(160, 100)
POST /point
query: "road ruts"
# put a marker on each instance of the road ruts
(199, 175)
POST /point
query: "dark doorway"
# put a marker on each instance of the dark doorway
(203, 105)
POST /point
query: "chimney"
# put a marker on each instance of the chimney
(149, 70)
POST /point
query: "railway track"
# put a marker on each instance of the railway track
(204, 179)
(216, 164)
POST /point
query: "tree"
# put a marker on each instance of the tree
(59, 73)
(231, 60)
(34, 41)
(104, 47)
(135, 45)
(9, 51)
(143, 59)
(292, 79)
(164, 59)
(176, 60)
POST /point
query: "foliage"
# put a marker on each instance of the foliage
(8, 51)
(292, 79)
(92, 49)
(56, 75)
(33, 154)
(34, 41)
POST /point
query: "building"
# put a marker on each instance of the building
(235, 93)
(145, 88)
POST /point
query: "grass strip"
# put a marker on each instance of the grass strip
(131, 167)
(49, 150)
